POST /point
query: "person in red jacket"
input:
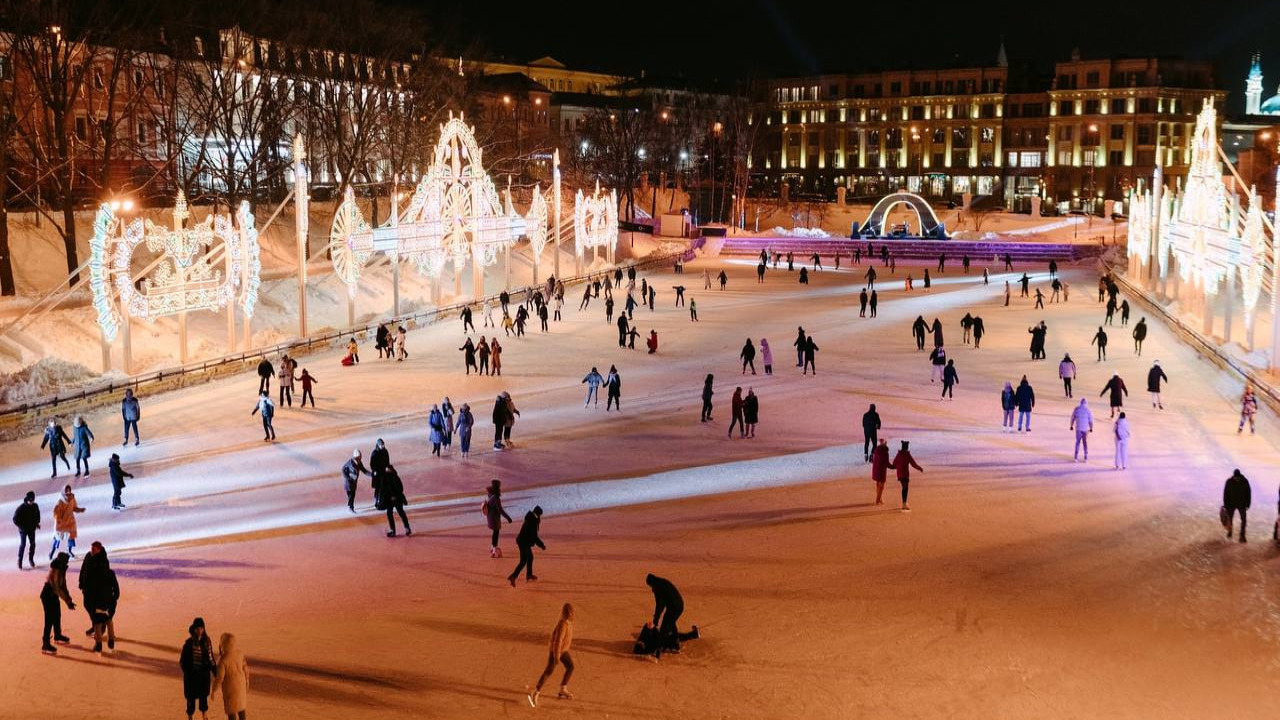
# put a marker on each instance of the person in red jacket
(880, 467)
(653, 341)
(903, 462)
(307, 381)
(738, 418)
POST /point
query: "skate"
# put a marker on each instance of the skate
(391, 533)
(533, 698)
(62, 639)
(408, 531)
(111, 645)
(48, 649)
(97, 647)
(497, 552)
(564, 694)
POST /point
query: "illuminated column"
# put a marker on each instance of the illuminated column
(946, 159)
(1155, 276)
(106, 352)
(1275, 287)
(301, 201)
(555, 205)
(862, 149)
(973, 148)
(1129, 130)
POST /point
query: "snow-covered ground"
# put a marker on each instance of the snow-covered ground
(1022, 585)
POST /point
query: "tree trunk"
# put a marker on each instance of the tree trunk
(6, 262)
(69, 236)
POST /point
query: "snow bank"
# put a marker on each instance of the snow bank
(44, 377)
(800, 232)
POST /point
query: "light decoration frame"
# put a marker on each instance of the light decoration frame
(595, 220)
(183, 279)
(539, 214)
(456, 213)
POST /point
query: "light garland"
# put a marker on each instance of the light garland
(537, 224)
(595, 220)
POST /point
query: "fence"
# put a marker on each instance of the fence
(94, 395)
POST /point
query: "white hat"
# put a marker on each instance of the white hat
(355, 453)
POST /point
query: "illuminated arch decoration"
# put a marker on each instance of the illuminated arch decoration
(1139, 244)
(456, 213)
(207, 266)
(537, 219)
(930, 226)
(595, 220)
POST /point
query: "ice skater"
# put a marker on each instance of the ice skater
(56, 440)
(130, 412)
(902, 463)
(435, 428)
(879, 459)
(1007, 405)
(1237, 496)
(1248, 410)
(267, 409)
(748, 356)
(870, 431)
(593, 381)
(1100, 339)
(468, 351)
(950, 378)
(1067, 372)
(561, 641)
(82, 438)
(613, 388)
(308, 381)
(118, 474)
(526, 540)
(668, 606)
(1139, 334)
(351, 470)
(27, 519)
(1082, 424)
(494, 515)
(466, 421)
(196, 661)
(391, 497)
(265, 372)
(1115, 387)
(231, 678)
(465, 315)
(693, 310)
(707, 392)
(766, 356)
(55, 589)
(1025, 397)
(918, 330)
(64, 522)
(1154, 377)
(1122, 442)
(736, 411)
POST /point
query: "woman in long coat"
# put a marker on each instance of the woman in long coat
(198, 667)
(466, 421)
(494, 513)
(82, 436)
(435, 421)
(232, 679)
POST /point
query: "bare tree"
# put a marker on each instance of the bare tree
(8, 135)
(615, 150)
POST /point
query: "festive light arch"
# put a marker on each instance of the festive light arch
(189, 275)
(595, 220)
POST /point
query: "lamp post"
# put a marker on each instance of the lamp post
(1093, 162)
(915, 137)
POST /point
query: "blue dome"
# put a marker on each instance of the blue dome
(1270, 106)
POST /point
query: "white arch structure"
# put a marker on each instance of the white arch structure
(929, 223)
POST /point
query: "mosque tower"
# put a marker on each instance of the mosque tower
(1253, 87)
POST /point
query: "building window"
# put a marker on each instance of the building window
(1117, 132)
(1029, 159)
(1064, 157)
(1091, 107)
(986, 160)
(959, 158)
(960, 184)
(960, 136)
(142, 133)
(988, 110)
(1092, 79)
(937, 160)
(1145, 105)
(1066, 107)
(1117, 106)
(895, 88)
(1144, 134)
(4, 68)
(833, 91)
(1145, 158)
(988, 134)
(917, 112)
(82, 129)
(1032, 110)
(859, 90)
(939, 135)
(1116, 157)
(1011, 160)
(1089, 158)
(1064, 133)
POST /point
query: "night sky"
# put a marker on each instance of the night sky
(757, 38)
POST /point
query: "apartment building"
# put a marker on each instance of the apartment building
(1075, 139)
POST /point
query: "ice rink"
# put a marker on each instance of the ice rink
(1022, 585)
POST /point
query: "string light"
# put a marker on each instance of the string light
(595, 220)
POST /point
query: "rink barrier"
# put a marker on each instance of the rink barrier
(1207, 347)
(16, 418)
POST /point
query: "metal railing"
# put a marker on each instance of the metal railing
(424, 317)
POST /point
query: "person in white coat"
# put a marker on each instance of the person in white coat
(1082, 423)
(232, 679)
(593, 380)
(1122, 443)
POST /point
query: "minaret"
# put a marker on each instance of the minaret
(1253, 87)
(1002, 59)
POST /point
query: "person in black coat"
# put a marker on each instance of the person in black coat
(27, 519)
(466, 320)
(800, 345)
(748, 356)
(55, 438)
(623, 326)
(937, 333)
(862, 303)
(350, 478)
(1139, 334)
(707, 392)
(875, 302)
(196, 661)
(1100, 339)
(810, 348)
(101, 595)
(118, 474)
(949, 378)
(919, 328)
(668, 606)
(978, 331)
(391, 498)
(1237, 496)
(265, 373)
(1154, 377)
(469, 355)
(525, 541)
(381, 344)
(870, 432)
(379, 461)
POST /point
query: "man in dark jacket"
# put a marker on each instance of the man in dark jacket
(668, 606)
(1025, 399)
(810, 347)
(1237, 497)
(265, 372)
(919, 329)
(391, 497)
(101, 592)
(870, 432)
(130, 412)
(1139, 334)
(379, 461)
(525, 541)
(27, 519)
(351, 475)
(118, 475)
(1154, 377)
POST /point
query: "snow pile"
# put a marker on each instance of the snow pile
(800, 232)
(44, 377)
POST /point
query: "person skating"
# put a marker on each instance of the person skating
(875, 302)
(1121, 432)
(870, 431)
(693, 310)
(751, 412)
(392, 500)
(942, 263)
(902, 463)
(561, 641)
(1237, 496)
(862, 303)
(379, 461)
(1124, 313)
(1056, 285)
(736, 411)
(55, 589)
(653, 296)
(466, 422)
(381, 341)
(435, 429)
(402, 337)
(559, 306)
(198, 666)
(231, 678)
(748, 356)
(351, 470)
(928, 281)
(1025, 397)
(130, 412)
(817, 262)
(766, 356)
(871, 278)
(284, 378)
(1053, 269)
(979, 329)
(1039, 299)
(542, 317)
(1006, 293)
(1082, 424)
(1115, 386)
(879, 459)
(308, 381)
(937, 333)
(522, 316)
(949, 379)
(118, 474)
(27, 519)
(482, 354)
(679, 294)
(1067, 372)
(504, 418)
(937, 361)
(1008, 262)
(466, 319)
(82, 438)
(1139, 334)
(800, 343)
(1154, 377)
(1025, 282)
(101, 591)
(964, 262)
(724, 280)
(652, 342)
(966, 325)
(56, 440)
(760, 268)
(810, 348)
(613, 387)
(586, 297)
(791, 261)
(668, 606)
(593, 381)
(265, 372)
(495, 357)
(1111, 311)
(1007, 405)
(268, 411)
(468, 350)
(1248, 410)
(623, 327)
(504, 299)
(918, 330)
(494, 515)
(64, 522)
(804, 276)
(1038, 333)
(707, 392)
(526, 540)
(1100, 339)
